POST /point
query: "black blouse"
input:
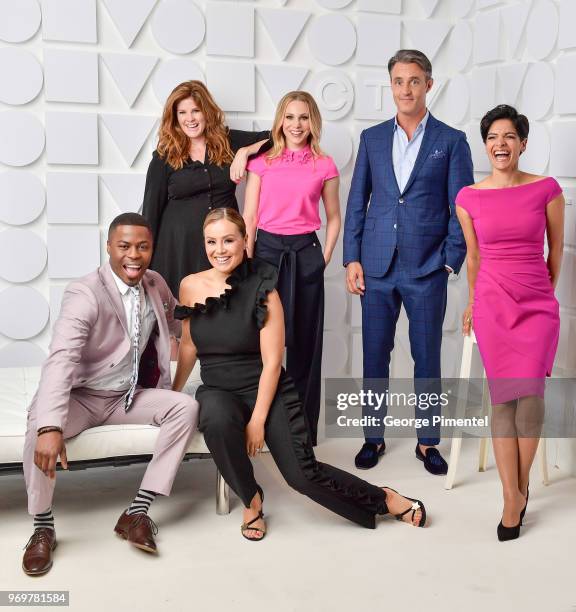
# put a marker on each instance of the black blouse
(205, 181)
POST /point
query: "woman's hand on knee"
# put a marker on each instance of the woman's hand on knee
(254, 436)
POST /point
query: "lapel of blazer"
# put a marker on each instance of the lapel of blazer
(388, 146)
(153, 294)
(112, 293)
(430, 134)
(388, 143)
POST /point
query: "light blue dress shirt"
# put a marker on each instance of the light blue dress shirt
(405, 152)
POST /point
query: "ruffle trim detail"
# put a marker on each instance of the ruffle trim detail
(363, 500)
(269, 276)
(302, 156)
(245, 270)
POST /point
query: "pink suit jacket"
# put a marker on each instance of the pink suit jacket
(91, 336)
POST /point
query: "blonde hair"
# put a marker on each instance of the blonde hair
(174, 145)
(277, 135)
(229, 214)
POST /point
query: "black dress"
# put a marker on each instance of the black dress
(176, 203)
(226, 332)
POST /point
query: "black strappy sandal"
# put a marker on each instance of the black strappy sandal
(416, 505)
(248, 526)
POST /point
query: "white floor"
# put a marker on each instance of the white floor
(311, 560)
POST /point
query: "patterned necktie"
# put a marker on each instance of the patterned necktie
(135, 295)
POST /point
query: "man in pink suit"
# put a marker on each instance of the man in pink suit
(111, 340)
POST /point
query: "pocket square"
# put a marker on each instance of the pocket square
(437, 154)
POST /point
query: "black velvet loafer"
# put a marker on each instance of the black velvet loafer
(369, 455)
(433, 460)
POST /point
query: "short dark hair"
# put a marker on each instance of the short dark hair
(504, 111)
(129, 218)
(411, 56)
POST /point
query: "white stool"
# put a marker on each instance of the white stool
(465, 369)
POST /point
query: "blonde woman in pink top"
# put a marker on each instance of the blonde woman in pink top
(282, 215)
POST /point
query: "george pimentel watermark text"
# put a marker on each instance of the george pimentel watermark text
(449, 407)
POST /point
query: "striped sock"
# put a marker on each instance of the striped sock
(141, 503)
(44, 520)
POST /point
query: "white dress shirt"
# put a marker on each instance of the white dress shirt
(119, 377)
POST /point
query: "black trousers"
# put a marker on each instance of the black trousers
(300, 266)
(224, 415)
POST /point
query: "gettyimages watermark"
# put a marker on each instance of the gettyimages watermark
(450, 407)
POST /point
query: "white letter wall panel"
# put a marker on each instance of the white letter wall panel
(21, 76)
(535, 158)
(429, 6)
(73, 251)
(332, 39)
(19, 21)
(510, 80)
(378, 39)
(21, 138)
(173, 72)
(563, 152)
(72, 197)
(129, 132)
(284, 27)
(461, 8)
(567, 31)
(24, 312)
(72, 138)
(129, 16)
(130, 72)
(21, 355)
(537, 91)
(487, 38)
(281, 79)
(22, 197)
(565, 94)
(127, 190)
(178, 26)
(428, 36)
(71, 76)
(373, 95)
(232, 84)
(22, 255)
(460, 45)
(333, 91)
(69, 20)
(230, 29)
(382, 6)
(542, 29)
(514, 18)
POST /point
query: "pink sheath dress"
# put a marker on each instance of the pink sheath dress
(515, 313)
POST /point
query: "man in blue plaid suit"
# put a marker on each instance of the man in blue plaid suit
(401, 248)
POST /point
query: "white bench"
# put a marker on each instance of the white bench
(105, 445)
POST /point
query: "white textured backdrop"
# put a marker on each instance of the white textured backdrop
(82, 83)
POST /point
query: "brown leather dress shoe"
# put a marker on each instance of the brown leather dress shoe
(38, 552)
(138, 529)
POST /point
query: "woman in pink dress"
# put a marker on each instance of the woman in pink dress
(511, 306)
(282, 204)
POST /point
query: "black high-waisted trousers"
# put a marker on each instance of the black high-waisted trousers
(300, 266)
(226, 402)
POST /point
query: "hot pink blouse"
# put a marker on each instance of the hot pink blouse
(290, 190)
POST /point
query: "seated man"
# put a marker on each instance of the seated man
(91, 377)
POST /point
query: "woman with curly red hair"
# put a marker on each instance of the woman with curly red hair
(194, 169)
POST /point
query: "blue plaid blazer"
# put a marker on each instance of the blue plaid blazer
(421, 221)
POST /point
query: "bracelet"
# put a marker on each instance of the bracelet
(48, 429)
